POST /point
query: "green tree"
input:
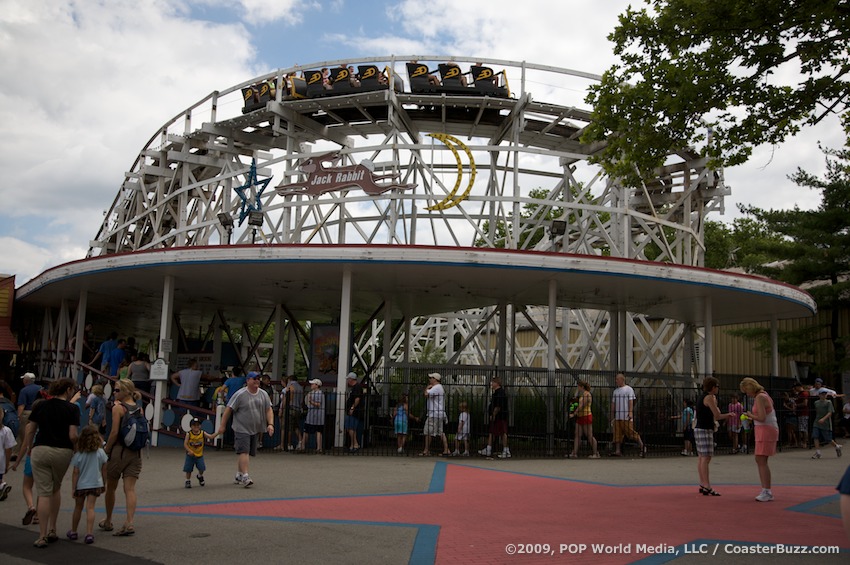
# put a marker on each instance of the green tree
(721, 77)
(530, 215)
(743, 244)
(815, 246)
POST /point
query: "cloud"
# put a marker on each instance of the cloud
(88, 84)
(263, 12)
(85, 83)
(25, 260)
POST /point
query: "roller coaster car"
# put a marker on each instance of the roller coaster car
(315, 87)
(370, 79)
(255, 97)
(485, 82)
(373, 79)
(297, 87)
(419, 83)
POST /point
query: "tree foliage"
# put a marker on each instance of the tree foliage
(742, 245)
(814, 247)
(720, 77)
(531, 213)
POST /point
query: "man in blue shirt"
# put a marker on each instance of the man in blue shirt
(236, 382)
(29, 394)
(103, 352)
(116, 357)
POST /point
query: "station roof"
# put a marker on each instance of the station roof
(247, 281)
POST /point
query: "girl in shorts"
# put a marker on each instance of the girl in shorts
(89, 463)
(584, 421)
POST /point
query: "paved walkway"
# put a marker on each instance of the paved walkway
(395, 510)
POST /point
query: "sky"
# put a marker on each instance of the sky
(84, 85)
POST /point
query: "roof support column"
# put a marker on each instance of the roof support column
(63, 340)
(290, 349)
(163, 352)
(774, 347)
(82, 304)
(503, 335)
(708, 354)
(387, 338)
(344, 355)
(614, 340)
(450, 336)
(277, 343)
(46, 355)
(552, 342)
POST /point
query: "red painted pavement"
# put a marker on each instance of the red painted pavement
(479, 511)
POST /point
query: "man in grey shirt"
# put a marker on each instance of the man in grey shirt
(189, 381)
(252, 413)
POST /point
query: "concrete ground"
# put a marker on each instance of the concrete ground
(407, 509)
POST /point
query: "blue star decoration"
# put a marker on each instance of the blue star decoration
(248, 205)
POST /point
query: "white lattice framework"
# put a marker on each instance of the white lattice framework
(185, 176)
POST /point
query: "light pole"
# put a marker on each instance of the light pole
(227, 223)
(255, 220)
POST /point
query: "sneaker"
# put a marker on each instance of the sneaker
(201, 480)
(401, 450)
(246, 481)
(685, 453)
(465, 454)
(4, 490)
(816, 455)
(238, 479)
(594, 456)
(765, 496)
(188, 483)
(455, 453)
(506, 454)
(486, 452)
(837, 451)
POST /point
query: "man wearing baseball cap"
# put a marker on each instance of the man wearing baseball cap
(252, 413)
(29, 394)
(822, 429)
(435, 398)
(816, 390)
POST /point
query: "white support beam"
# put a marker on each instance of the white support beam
(343, 366)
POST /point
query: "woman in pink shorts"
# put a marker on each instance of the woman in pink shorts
(766, 432)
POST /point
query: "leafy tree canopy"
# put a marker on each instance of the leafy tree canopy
(814, 245)
(748, 71)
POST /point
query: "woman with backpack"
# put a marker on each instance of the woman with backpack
(124, 462)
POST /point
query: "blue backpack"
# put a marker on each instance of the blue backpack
(135, 431)
(10, 417)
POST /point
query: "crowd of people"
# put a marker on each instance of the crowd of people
(51, 441)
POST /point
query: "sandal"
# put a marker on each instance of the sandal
(52, 536)
(27, 519)
(126, 530)
(105, 526)
(89, 539)
(40, 543)
(35, 520)
(72, 535)
(708, 491)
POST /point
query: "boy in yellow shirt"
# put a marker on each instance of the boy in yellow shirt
(194, 445)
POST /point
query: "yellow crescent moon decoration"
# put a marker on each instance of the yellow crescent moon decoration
(451, 200)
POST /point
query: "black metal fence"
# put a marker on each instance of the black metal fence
(538, 403)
